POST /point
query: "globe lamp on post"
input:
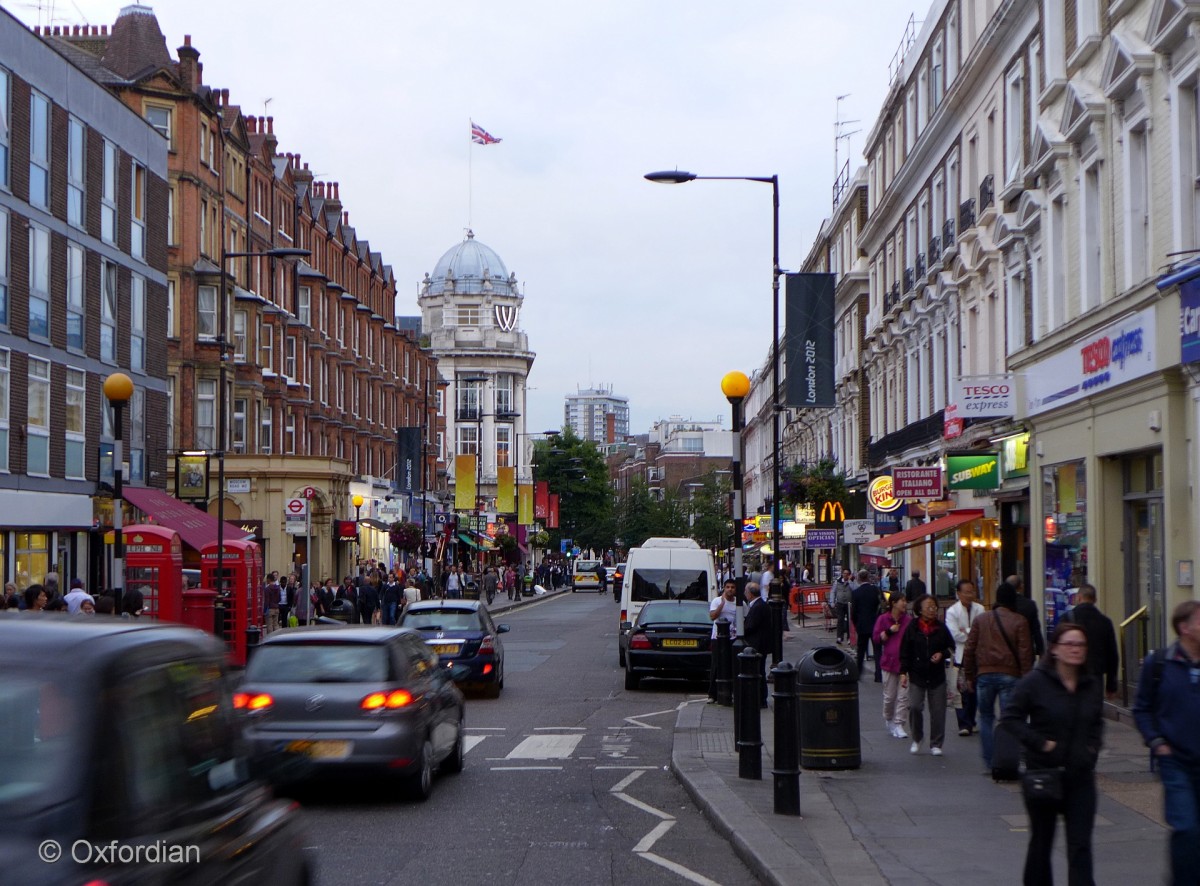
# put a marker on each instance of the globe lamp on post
(118, 388)
(357, 500)
(736, 386)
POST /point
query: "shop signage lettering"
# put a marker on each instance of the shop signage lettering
(980, 396)
(821, 538)
(973, 471)
(1189, 321)
(881, 495)
(914, 482)
(832, 510)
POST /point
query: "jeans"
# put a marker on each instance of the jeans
(1078, 809)
(989, 688)
(937, 713)
(1181, 808)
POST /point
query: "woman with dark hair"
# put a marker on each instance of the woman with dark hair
(35, 598)
(1057, 713)
(925, 648)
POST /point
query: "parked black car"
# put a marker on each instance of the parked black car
(462, 634)
(355, 698)
(116, 732)
(669, 639)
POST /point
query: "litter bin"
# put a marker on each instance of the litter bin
(828, 710)
(253, 638)
(341, 609)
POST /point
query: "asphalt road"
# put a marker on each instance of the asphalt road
(567, 779)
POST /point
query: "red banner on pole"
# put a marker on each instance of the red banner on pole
(552, 513)
(541, 500)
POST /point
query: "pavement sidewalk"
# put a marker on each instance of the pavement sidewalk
(905, 819)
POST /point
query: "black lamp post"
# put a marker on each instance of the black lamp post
(118, 388)
(222, 396)
(735, 386)
(676, 177)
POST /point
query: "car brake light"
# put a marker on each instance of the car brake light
(639, 641)
(487, 669)
(624, 615)
(398, 698)
(487, 647)
(252, 701)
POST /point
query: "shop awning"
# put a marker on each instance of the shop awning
(196, 528)
(376, 524)
(919, 534)
(467, 540)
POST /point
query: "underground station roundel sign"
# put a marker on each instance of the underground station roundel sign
(882, 496)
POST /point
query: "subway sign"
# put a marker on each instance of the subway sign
(973, 471)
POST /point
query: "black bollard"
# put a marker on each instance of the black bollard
(748, 708)
(778, 619)
(724, 665)
(787, 741)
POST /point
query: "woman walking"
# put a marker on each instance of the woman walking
(889, 631)
(925, 647)
(1057, 712)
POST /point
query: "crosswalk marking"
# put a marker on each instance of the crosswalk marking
(545, 747)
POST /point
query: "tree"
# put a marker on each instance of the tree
(710, 512)
(576, 472)
(640, 515)
(814, 483)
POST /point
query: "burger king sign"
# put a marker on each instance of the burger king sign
(882, 496)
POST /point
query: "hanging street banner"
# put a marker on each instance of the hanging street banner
(1189, 321)
(506, 490)
(552, 513)
(464, 482)
(524, 504)
(541, 500)
(808, 341)
(408, 458)
(973, 471)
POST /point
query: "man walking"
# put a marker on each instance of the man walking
(1028, 608)
(722, 609)
(960, 618)
(864, 609)
(1103, 658)
(915, 587)
(756, 629)
(842, 589)
(1167, 712)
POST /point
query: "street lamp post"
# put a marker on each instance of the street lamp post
(735, 386)
(675, 177)
(223, 397)
(118, 388)
(357, 500)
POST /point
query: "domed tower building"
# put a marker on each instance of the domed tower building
(471, 310)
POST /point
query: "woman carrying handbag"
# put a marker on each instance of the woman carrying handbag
(1057, 712)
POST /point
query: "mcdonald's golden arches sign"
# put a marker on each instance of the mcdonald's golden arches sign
(832, 510)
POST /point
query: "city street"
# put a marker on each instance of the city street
(566, 773)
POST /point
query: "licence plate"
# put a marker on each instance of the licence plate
(445, 648)
(322, 750)
(680, 644)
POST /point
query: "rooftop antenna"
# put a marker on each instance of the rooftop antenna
(841, 171)
(266, 101)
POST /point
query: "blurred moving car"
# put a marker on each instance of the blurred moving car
(584, 577)
(669, 639)
(355, 698)
(463, 635)
(125, 731)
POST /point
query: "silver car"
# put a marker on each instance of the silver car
(355, 698)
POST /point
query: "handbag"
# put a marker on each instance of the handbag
(1042, 785)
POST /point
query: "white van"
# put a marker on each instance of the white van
(663, 569)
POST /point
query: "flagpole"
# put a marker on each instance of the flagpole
(470, 177)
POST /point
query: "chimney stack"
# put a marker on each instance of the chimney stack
(189, 59)
(270, 126)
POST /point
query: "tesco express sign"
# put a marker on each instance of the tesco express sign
(986, 396)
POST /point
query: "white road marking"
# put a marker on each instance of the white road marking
(638, 804)
(545, 747)
(679, 869)
(484, 729)
(648, 841)
(526, 769)
(560, 729)
(471, 741)
(622, 768)
(626, 781)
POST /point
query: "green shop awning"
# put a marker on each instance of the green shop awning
(467, 540)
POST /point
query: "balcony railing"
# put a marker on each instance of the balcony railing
(892, 297)
(966, 215)
(948, 234)
(468, 413)
(920, 266)
(908, 279)
(935, 249)
(918, 433)
(987, 193)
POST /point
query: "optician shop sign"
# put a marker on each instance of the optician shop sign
(1118, 353)
(985, 396)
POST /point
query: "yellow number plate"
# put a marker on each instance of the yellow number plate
(322, 750)
(446, 648)
(680, 644)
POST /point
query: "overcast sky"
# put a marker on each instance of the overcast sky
(656, 290)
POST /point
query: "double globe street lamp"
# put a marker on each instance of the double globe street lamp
(118, 388)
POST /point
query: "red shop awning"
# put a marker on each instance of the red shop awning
(907, 538)
(196, 528)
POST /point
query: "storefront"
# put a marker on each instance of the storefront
(53, 537)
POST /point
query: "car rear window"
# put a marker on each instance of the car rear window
(586, 565)
(683, 612)
(442, 620)
(320, 663)
(669, 584)
(39, 722)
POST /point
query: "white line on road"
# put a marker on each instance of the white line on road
(626, 781)
(679, 869)
(484, 729)
(526, 769)
(648, 841)
(545, 747)
(621, 768)
(471, 741)
(560, 729)
(638, 804)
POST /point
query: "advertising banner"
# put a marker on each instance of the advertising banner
(808, 340)
(973, 471)
(408, 459)
(541, 500)
(464, 482)
(985, 396)
(506, 490)
(524, 504)
(552, 513)
(1189, 321)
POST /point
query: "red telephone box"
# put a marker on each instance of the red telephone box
(239, 593)
(154, 566)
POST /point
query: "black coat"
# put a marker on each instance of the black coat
(1041, 708)
(1028, 608)
(864, 607)
(917, 650)
(756, 627)
(1103, 656)
(914, 589)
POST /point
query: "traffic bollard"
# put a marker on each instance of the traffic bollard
(724, 665)
(787, 742)
(749, 741)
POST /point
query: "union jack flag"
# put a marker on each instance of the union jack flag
(481, 136)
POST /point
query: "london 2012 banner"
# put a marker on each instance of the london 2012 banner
(808, 341)
(408, 458)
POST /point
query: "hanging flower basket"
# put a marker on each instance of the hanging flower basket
(406, 536)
